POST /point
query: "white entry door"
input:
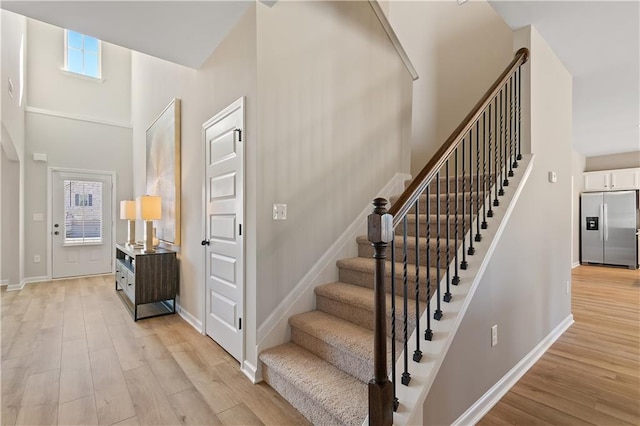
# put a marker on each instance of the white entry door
(81, 223)
(224, 213)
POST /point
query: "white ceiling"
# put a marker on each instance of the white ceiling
(184, 32)
(599, 43)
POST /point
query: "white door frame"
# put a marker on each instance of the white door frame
(235, 105)
(112, 243)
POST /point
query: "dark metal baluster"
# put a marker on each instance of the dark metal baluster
(406, 377)
(506, 136)
(484, 169)
(396, 403)
(477, 203)
(463, 264)
(456, 278)
(501, 191)
(471, 251)
(447, 295)
(518, 104)
(417, 354)
(428, 333)
(490, 211)
(438, 313)
(512, 126)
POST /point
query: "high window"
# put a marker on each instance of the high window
(82, 54)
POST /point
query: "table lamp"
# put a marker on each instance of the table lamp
(128, 212)
(148, 208)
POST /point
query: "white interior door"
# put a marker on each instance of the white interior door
(81, 223)
(224, 213)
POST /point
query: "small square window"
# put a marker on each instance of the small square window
(82, 54)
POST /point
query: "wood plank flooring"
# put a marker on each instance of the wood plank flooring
(591, 374)
(71, 354)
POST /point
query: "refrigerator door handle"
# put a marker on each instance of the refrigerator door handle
(601, 220)
(606, 223)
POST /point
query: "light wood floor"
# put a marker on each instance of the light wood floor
(71, 354)
(591, 374)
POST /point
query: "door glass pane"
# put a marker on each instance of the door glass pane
(82, 212)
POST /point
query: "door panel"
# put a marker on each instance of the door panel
(591, 239)
(224, 206)
(620, 230)
(81, 213)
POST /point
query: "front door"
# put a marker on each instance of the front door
(81, 213)
(224, 210)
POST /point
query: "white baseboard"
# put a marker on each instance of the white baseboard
(575, 265)
(482, 406)
(4, 282)
(25, 281)
(250, 371)
(275, 330)
(189, 318)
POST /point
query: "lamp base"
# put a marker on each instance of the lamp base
(148, 237)
(131, 233)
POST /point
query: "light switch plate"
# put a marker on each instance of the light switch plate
(552, 177)
(279, 212)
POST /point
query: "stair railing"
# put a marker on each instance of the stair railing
(480, 155)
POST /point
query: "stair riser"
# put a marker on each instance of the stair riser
(364, 318)
(306, 405)
(359, 368)
(468, 180)
(366, 250)
(365, 279)
(411, 228)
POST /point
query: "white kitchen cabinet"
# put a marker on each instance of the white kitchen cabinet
(612, 180)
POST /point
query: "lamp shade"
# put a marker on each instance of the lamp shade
(128, 209)
(148, 207)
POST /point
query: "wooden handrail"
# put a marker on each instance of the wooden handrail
(400, 208)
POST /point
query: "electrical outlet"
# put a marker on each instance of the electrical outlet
(36, 258)
(494, 335)
(568, 287)
(279, 212)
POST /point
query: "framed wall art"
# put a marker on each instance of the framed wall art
(163, 170)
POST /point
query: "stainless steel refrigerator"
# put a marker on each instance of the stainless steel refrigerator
(609, 228)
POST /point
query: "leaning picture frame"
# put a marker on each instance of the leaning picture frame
(163, 170)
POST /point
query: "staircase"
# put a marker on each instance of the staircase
(324, 370)
(334, 370)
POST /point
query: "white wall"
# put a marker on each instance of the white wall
(53, 89)
(13, 67)
(458, 52)
(226, 76)
(578, 167)
(65, 120)
(14, 35)
(613, 161)
(334, 124)
(9, 217)
(523, 290)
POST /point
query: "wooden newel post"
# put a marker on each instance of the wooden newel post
(380, 233)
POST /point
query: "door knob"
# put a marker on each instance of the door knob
(204, 242)
(56, 233)
(56, 225)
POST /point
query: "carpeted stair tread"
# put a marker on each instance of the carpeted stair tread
(320, 391)
(356, 304)
(341, 343)
(411, 243)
